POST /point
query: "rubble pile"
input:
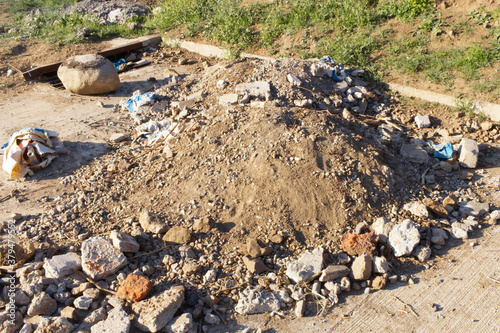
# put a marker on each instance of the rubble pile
(252, 186)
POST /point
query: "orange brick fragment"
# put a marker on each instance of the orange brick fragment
(356, 245)
(134, 288)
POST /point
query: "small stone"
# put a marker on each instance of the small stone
(59, 325)
(403, 238)
(422, 253)
(151, 224)
(152, 314)
(416, 208)
(486, 125)
(334, 272)
(495, 216)
(306, 267)
(378, 283)
(293, 79)
(300, 307)
(362, 267)
(212, 319)
(255, 266)
(118, 321)
(42, 304)
(117, 137)
(70, 313)
(228, 99)
(82, 302)
(469, 152)
(381, 265)
(135, 288)
(359, 244)
(182, 61)
(100, 259)
(190, 268)
(123, 242)
(460, 230)
(435, 207)
(178, 235)
(423, 121)
(450, 200)
(203, 225)
(382, 227)
(255, 248)
(181, 324)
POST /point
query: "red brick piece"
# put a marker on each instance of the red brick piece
(134, 288)
(356, 245)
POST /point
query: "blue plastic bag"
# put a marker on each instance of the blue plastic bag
(118, 63)
(135, 102)
(444, 150)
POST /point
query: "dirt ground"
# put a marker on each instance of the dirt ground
(309, 174)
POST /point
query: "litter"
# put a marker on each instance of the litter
(136, 101)
(443, 150)
(118, 63)
(338, 73)
(30, 149)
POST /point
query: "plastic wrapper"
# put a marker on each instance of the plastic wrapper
(30, 149)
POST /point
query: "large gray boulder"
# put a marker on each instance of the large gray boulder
(88, 74)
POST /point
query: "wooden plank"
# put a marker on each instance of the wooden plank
(41, 70)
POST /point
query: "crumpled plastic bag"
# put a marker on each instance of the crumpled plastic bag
(30, 149)
(443, 150)
(136, 101)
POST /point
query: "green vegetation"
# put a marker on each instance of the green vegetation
(354, 32)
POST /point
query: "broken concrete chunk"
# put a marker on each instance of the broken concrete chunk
(88, 74)
(152, 314)
(100, 259)
(403, 238)
(469, 151)
(306, 267)
(422, 253)
(183, 323)
(117, 137)
(381, 265)
(42, 304)
(62, 265)
(460, 230)
(254, 301)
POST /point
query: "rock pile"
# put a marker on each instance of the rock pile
(269, 185)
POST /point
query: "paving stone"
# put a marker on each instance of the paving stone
(153, 313)
(100, 259)
(403, 238)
